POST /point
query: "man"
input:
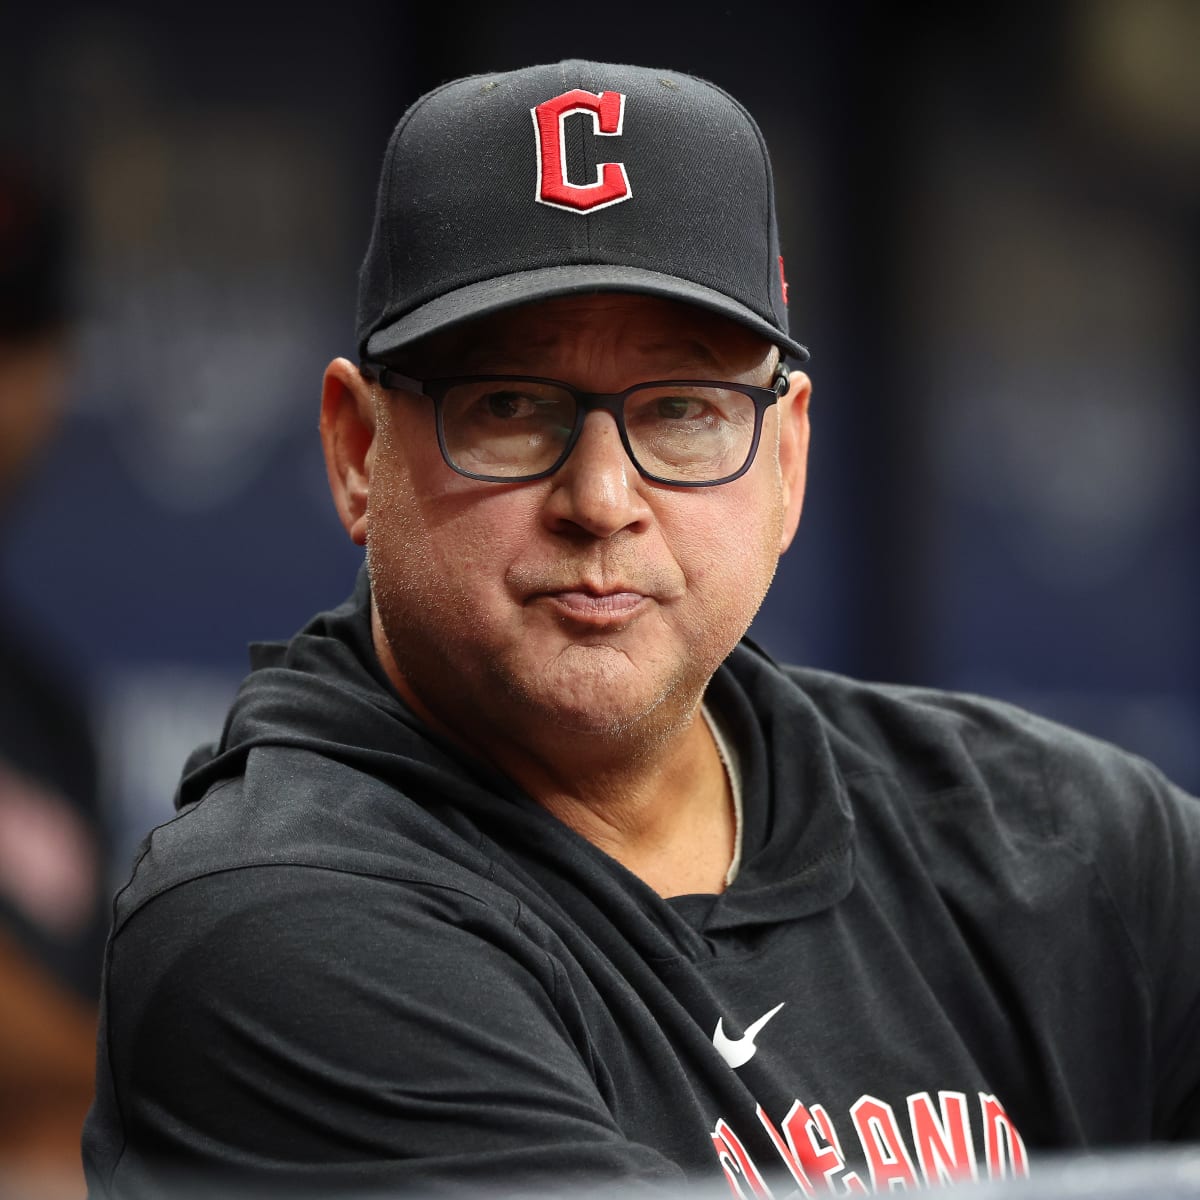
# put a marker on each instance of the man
(521, 868)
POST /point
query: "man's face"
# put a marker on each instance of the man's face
(593, 601)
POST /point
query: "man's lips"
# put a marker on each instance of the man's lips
(592, 605)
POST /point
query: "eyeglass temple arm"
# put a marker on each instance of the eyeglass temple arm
(781, 382)
(389, 378)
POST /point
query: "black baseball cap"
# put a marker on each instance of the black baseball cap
(573, 177)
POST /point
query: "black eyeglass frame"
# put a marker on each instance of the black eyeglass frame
(585, 402)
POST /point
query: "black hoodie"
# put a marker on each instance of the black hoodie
(359, 960)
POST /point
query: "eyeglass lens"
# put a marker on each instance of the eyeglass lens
(510, 428)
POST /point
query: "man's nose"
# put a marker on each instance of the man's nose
(598, 489)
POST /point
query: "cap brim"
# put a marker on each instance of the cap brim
(507, 291)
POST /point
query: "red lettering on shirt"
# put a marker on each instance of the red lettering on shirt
(887, 1156)
(1004, 1147)
(938, 1138)
(943, 1143)
(738, 1166)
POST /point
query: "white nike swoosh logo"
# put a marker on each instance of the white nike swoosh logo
(737, 1052)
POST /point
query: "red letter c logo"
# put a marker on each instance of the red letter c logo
(611, 184)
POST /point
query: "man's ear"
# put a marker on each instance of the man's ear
(348, 437)
(793, 451)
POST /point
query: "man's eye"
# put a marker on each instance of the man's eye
(509, 405)
(677, 408)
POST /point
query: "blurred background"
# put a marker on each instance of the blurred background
(991, 220)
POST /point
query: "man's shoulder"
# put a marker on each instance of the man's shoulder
(877, 713)
(293, 812)
(938, 746)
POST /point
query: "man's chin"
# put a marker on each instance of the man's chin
(600, 696)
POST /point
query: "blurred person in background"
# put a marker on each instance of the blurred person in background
(52, 890)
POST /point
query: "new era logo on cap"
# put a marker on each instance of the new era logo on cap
(457, 234)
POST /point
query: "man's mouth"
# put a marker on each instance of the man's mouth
(597, 606)
(593, 604)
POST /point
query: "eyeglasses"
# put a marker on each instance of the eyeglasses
(516, 428)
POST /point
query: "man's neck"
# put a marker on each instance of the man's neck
(669, 818)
